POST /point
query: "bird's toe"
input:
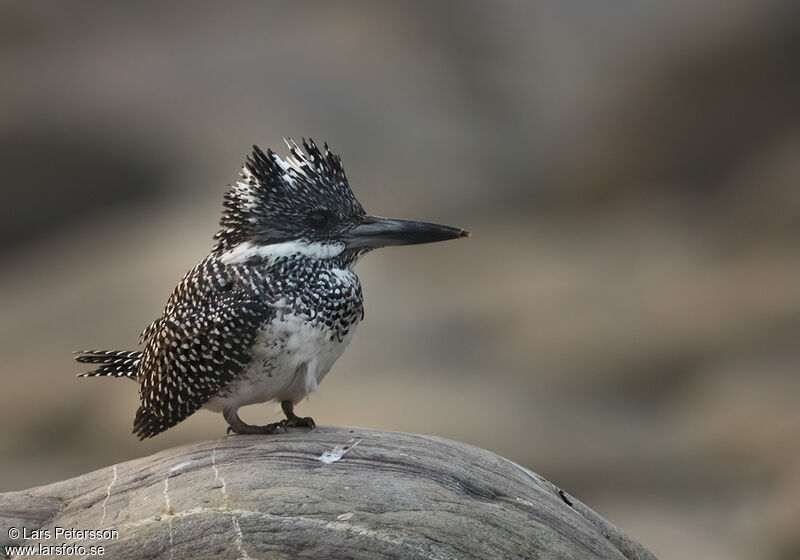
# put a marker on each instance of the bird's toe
(298, 422)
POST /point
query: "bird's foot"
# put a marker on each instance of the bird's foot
(298, 422)
(242, 428)
(293, 420)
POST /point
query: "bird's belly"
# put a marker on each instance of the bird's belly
(290, 357)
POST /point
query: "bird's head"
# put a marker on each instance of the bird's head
(303, 204)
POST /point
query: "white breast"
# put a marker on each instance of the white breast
(290, 358)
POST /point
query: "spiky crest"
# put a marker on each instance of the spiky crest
(272, 190)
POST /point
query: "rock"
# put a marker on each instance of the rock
(328, 493)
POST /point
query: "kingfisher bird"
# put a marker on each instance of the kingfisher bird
(266, 314)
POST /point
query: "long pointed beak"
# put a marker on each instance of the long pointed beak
(375, 231)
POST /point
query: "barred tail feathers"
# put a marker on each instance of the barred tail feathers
(113, 363)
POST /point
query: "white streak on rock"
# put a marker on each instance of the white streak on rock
(432, 552)
(237, 529)
(180, 465)
(538, 480)
(337, 452)
(169, 514)
(108, 495)
(217, 477)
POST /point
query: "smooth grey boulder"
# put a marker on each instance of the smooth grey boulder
(323, 494)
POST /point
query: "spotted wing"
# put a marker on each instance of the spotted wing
(192, 352)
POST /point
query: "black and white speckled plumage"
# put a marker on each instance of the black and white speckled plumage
(267, 313)
(206, 336)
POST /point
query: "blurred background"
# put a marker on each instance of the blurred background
(624, 320)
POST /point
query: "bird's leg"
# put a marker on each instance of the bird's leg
(293, 420)
(237, 426)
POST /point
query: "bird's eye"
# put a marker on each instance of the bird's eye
(318, 219)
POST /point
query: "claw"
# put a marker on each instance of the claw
(293, 420)
(297, 422)
(243, 428)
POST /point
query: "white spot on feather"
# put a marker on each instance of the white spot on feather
(287, 167)
(246, 195)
